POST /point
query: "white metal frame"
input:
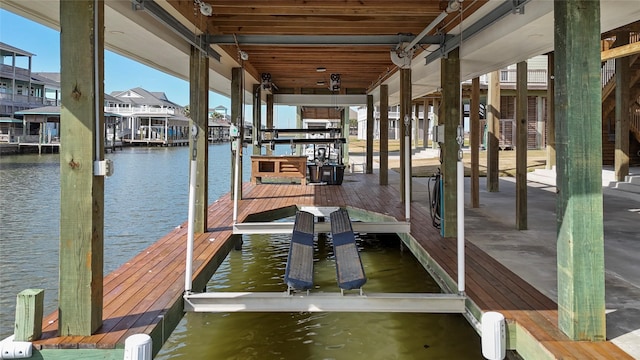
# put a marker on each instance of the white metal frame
(324, 302)
(383, 227)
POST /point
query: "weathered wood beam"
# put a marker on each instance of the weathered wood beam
(199, 106)
(237, 119)
(474, 119)
(345, 131)
(29, 311)
(416, 126)
(370, 120)
(521, 145)
(580, 245)
(405, 111)
(493, 131)
(551, 111)
(270, 118)
(621, 51)
(437, 119)
(426, 124)
(257, 118)
(622, 114)
(384, 134)
(81, 193)
(450, 79)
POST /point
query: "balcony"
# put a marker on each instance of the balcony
(140, 110)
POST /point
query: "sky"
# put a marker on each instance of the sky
(120, 73)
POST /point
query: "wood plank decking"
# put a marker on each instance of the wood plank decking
(145, 294)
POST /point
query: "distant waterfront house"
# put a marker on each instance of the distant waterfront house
(149, 117)
(22, 89)
(537, 93)
(219, 124)
(41, 126)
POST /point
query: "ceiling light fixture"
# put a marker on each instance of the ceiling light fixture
(320, 83)
(454, 5)
(321, 69)
(334, 85)
(266, 81)
(205, 9)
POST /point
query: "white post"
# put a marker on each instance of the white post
(460, 216)
(407, 178)
(235, 180)
(191, 218)
(407, 169)
(138, 347)
(192, 210)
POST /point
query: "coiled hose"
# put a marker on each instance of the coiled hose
(434, 198)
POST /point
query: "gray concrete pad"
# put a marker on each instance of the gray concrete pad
(532, 253)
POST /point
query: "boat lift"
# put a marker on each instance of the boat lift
(288, 301)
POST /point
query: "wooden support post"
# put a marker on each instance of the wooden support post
(450, 80)
(257, 118)
(622, 113)
(436, 119)
(416, 126)
(237, 119)
(345, 132)
(426, 124)
(521, 146)
(82, 142)
(405, 111)
(551, 113)
(299, 125)
(474, 119)
(493, 131)
(199, 106)
(29, 311)
(369, 134)
(384, 134)
(270, 119)
(581, 300)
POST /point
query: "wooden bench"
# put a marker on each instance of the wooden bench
(299, 271)
(285, 167)
(349, 269)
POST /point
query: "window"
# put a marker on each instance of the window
(504, 76)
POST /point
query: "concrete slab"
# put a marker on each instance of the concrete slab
(532, 253)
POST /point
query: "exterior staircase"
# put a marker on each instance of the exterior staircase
(609, 104)
(631, 184)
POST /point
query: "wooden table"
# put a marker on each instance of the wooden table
(286, 167)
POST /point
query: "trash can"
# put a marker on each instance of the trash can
(326, 174)
(314, 172)
(338, 174)
(332, 174)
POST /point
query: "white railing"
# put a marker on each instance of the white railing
(608, 71)
(134, 110)
(23, 99)
(9, 70)
(534, 76)
(508, 77)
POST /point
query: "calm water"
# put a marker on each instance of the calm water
(146, 198)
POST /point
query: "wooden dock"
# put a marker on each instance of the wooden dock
(145, 294)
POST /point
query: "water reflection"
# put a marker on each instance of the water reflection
(146, 198)
(260, 266)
